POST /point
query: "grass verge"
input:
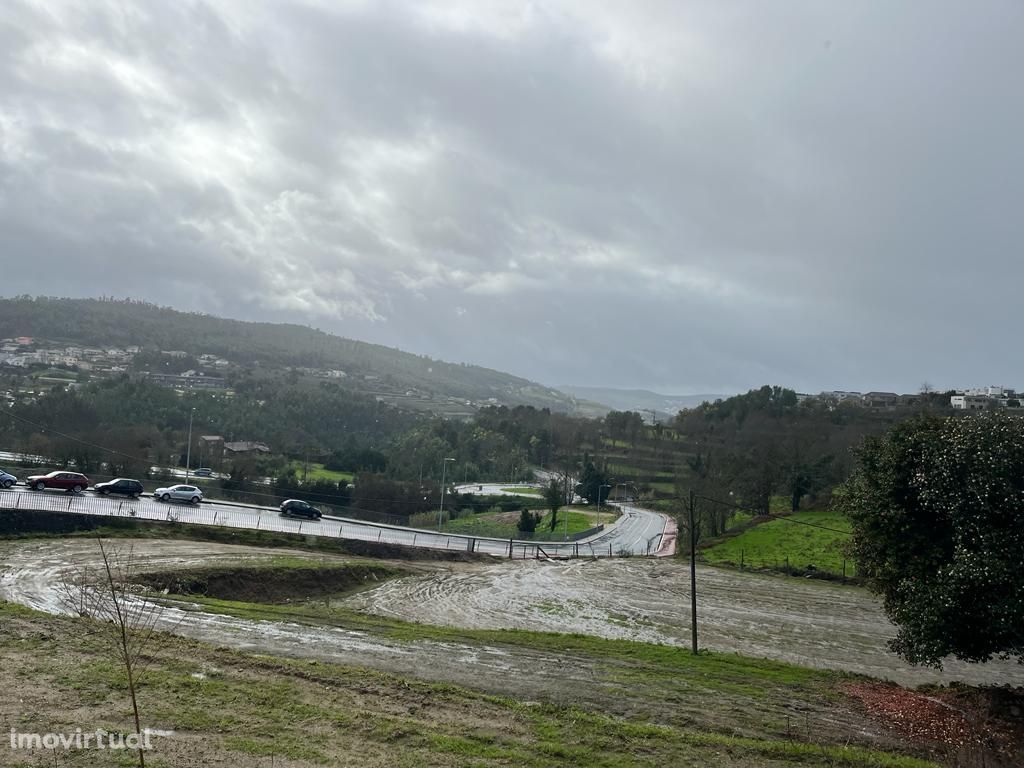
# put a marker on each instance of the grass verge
(232, 708)
(801, 539)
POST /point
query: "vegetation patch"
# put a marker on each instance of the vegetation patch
(269, 584)
(803, 541)
(233, 708)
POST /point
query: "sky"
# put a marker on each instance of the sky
(682, 196)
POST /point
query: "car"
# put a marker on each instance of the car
(300, 508)
(187, 493)
(203, 472)
(120, 485)
(72, 482)
(7, 479)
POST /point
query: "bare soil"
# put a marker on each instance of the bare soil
(815, 623)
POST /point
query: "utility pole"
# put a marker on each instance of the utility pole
(693, 574)
(440, 512)
(188, 449)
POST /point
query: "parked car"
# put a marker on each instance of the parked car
(7, 479)
(120, 485)
(300, 508)
(203, 472)
(72, 482)
(187, 493)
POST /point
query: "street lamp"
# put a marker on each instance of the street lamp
(440, 512)
(188, 449)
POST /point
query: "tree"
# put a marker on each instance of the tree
(129, 621)
(527, 521)
(937, 507)
(554, 497)
(593, 481)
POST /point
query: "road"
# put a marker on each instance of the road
(629, 535)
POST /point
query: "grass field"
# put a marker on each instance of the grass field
(502, 525)
(316, 471)
(769, 544)
(647, 705)
(524, 491)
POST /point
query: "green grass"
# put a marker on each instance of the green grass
(316, 471)
(502, 525)
(769, 544)
(235, 706)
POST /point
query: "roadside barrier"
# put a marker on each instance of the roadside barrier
(267, 519)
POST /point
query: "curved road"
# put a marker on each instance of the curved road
(631, 534)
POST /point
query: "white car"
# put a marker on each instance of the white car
(187, 493)
(7, 479)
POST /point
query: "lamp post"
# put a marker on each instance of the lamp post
(188, 449)
(440, 512)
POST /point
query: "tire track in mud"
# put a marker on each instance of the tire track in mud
(32, 574)
(806, 622)
(811, 623)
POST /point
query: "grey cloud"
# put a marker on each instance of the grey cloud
(692, 196)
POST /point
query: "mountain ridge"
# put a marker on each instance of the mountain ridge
(368, 366)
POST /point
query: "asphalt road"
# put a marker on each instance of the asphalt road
(630, 534)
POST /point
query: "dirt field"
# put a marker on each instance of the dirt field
(801, 621)
(628, 599)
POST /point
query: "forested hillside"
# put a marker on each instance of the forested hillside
(108, 322)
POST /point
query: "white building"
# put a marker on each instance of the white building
(970, 402)
(987, 392)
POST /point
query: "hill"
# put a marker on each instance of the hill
(666, 406)
(371, 368)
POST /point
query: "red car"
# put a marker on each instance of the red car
(73, 482)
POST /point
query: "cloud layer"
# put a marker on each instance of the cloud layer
(689, 196)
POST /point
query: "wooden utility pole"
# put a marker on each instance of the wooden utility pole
(693, 574)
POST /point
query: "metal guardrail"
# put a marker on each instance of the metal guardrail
(148, 509)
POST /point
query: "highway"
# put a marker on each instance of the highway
(637, 532)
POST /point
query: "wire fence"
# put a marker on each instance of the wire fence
(267, 519)
(795, 564)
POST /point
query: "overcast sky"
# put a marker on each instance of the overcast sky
(685, 196)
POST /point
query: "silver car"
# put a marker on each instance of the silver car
(7, 479)
(187, 493)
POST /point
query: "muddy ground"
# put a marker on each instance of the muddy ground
(804, 622)
(809, 623)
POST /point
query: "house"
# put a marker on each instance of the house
(245, 447)
(841, 396)
(970, 402)
(211, 445)
(188, 380)
(880, 399)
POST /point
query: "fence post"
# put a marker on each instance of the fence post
(379, 532)
(787, 565)
(300, 526)
(609, 550)
(741, 559)
(576, 549)
(17, 501)
(414, 539)
(258, 517)
(844, 570)
(510, 549)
